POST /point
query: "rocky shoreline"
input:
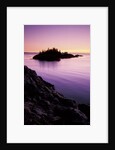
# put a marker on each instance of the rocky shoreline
(43, 105)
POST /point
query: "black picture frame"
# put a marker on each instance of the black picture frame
(3, 76)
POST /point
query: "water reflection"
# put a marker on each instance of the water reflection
(48, 64)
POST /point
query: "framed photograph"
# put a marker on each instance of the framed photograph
(57, 76)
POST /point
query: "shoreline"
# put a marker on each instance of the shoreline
(44, 105)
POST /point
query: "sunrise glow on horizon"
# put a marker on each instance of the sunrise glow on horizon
(67, 38)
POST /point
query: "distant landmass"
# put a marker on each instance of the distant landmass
(53, 55)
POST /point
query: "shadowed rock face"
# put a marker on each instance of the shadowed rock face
(43, 105)
(53, 55)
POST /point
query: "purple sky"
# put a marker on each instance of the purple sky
(70, 38)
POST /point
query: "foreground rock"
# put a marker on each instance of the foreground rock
(53, 55)
(43, 105)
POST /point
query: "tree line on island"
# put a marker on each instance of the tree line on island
(53, 55)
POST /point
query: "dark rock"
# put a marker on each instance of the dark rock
(85, 109)
(78, 55)
(68, 103)
(43, 105)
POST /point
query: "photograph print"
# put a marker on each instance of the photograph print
(56, 74)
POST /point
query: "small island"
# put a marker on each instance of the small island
(53, 55)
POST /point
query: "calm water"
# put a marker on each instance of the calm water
(71, 77)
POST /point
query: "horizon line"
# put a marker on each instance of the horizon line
(39, 51)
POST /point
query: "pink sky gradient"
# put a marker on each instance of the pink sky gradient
(70, 38)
